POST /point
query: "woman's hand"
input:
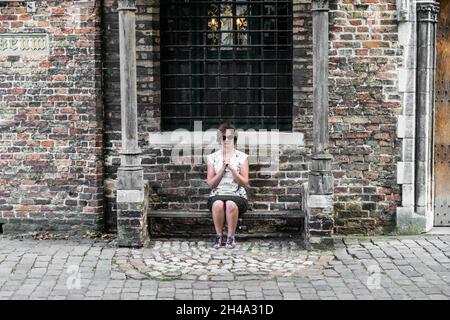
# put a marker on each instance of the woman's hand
(241, 177)
(213, 178)
(233, 169)
(226, 164)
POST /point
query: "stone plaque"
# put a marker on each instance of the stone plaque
(21, 44)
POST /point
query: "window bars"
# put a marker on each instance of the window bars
(226, 61)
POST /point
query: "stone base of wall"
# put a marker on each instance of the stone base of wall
(321, 237)
(320, 243)
(132, 229)
(409, 222)
(78, 225)
(319, 221)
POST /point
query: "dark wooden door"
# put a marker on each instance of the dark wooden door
(442, 120)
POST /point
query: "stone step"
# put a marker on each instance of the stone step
(253, 224)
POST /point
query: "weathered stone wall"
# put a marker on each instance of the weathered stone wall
(51, 119)
(184, 186)
(364, 59)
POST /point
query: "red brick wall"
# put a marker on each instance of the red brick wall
(364, 102)
(51, 119)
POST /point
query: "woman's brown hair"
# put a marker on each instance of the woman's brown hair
(223, 129)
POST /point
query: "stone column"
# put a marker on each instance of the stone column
(427, 14)
(319, 219)
(131, 213)
(406, 219)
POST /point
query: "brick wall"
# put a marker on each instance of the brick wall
(51, 119)
(185, 186)
(302, 112)
(364, 58)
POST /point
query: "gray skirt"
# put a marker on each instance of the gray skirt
(241, 202)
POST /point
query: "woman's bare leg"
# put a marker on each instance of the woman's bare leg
(232, 212)
(218, 214)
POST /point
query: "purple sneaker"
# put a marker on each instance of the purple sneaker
(231, 243)
(217, 242)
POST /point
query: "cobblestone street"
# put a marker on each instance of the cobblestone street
(365, 268)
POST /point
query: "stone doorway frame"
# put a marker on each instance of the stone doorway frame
(132, 189)
(417, 34)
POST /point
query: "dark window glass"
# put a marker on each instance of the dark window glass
(226, 61)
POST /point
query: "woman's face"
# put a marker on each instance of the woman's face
(229, 141)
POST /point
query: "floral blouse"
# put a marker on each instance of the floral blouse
(227, 186)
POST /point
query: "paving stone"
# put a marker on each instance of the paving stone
(220, 296)
(410, 269)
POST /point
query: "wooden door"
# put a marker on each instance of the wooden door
(442, 119)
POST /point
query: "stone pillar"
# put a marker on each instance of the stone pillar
(131, 211)
(319, 203)
(427, 14)
(407, 221)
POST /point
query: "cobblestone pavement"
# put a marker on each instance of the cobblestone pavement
(376, 268)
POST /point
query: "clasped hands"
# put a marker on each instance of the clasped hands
(227, 164)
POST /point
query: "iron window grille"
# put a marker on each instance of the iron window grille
(226, 61)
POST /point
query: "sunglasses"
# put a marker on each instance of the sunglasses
(228, 138)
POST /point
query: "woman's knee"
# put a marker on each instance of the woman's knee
(231, 206)
(218, 205)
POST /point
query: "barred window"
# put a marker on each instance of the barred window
(226, 61)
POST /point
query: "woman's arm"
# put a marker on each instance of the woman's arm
(241, 177)
(212, 178)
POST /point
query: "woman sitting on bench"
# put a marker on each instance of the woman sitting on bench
(228, 178)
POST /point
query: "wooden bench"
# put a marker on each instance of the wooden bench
(258, 224)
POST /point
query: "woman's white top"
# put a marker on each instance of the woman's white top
(228, 186)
